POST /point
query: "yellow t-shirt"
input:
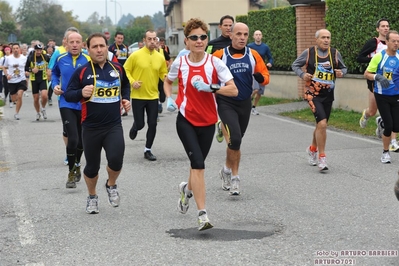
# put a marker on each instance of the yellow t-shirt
(148, 67)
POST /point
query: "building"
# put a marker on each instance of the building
(177, 12)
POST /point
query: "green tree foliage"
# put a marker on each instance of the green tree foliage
(126, 20)
(158, 20)
(134, 34)
(5, 11)
(143, 22)
(43, 20)
(7, 22)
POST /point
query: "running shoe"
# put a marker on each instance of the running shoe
(11, 104)
(380, 128)
(235, 186)
(219, 133)
(254, 111)
(92, 205)
(16, 116)
(38, 116)
(78, 174)
(66, 161)
(71, 180)
(226, 178)
(113, 195)
(323, 164)
(386, 157)
(363, 119)
(44, 114)
(203, 221)
(160, 108)
(183, 202)
(394, 146)
(50, 102)
(312, 157)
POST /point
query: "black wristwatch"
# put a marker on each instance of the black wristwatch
(215, 87)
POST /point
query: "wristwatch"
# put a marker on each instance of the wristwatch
(215, 87)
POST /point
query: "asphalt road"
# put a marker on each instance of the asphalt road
(288, 213)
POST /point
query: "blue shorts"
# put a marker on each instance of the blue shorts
(258, 87)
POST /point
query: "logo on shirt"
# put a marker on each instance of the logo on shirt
(92, 76)
(196, 78)
(114, 73)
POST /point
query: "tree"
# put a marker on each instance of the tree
(7, 21)
(5, 12)
(134, 34)
(126, 20)
(43, 20)
(158, 20)
(143, 22)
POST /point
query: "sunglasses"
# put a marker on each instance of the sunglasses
(203, 37)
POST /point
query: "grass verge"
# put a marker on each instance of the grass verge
(339, 118)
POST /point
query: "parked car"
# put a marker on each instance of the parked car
(133, 47)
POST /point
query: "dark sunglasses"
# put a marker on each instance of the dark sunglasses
(194, 38)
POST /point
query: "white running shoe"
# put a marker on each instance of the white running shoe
(203, 221)
(363, 120)
(235, 187)
(113, 195)
(380, 128)
(323, 164)
(226, 178)
(219, 133)
(312, 157)
(394, 146)
(183, 202)
(38, 116)
(44, 113)
(254, 111)
(386, 157)
(92, 205)
(16, 116)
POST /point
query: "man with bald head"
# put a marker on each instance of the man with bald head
(323, 65)
(245, 65)
(264, 52)
(63, 69)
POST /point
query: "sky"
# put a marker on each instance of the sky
(84, 8)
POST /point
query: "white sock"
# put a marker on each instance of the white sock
(203, 210)
(187, 191)
(146, 149)
(226, 170)
(393, 141)
(235, 177)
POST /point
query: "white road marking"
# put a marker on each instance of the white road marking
(24, 221)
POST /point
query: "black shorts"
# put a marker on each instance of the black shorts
(15, 87)
(323, 109)
(370, 85)
(94, 140)
(235, 117)
(38, 86)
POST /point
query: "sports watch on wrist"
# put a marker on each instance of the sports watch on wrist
(215, 87)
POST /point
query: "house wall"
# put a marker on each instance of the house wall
(209, 11)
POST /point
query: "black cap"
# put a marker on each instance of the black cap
(38, 46)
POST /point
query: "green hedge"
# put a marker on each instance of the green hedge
(242, 18)
(280, 39)
(353, 22)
